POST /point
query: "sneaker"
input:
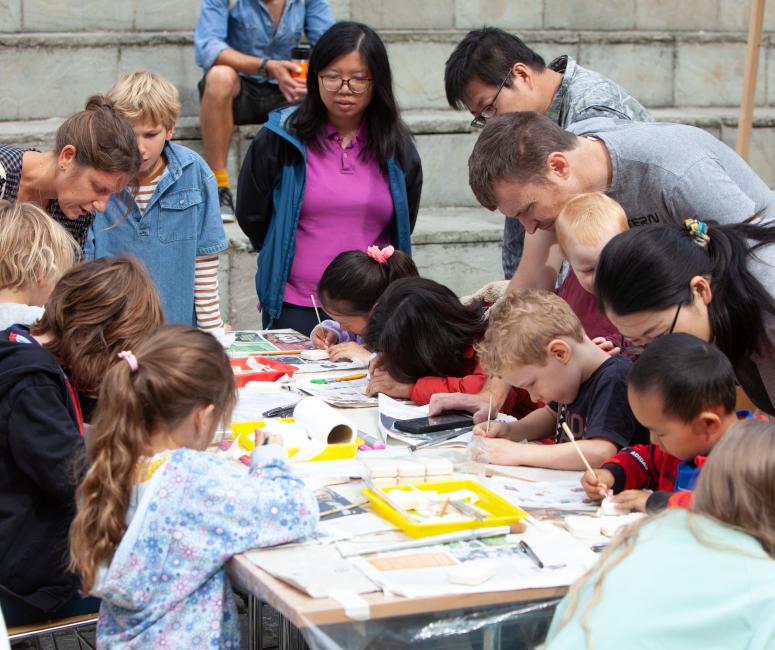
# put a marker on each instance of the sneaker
(227, 204)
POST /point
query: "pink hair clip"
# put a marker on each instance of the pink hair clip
(380, 255)
(131, 359)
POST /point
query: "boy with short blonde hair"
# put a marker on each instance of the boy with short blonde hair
(535, 341)
(173, 222)
(35, 251)
(584, 226)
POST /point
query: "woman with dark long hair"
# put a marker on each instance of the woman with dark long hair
(714, 281)
(337, 172)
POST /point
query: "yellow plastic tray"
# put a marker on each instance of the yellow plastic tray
(503, 513)
(340, 451)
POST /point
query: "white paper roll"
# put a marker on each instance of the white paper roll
(322, 422)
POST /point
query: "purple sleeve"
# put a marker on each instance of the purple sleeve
(343, 336)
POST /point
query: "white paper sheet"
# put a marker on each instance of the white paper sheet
(313, 569)
(558, 495)
(344, 394)
(565, 560)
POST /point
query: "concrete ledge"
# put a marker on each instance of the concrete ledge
(451, 36)
(420, 122)
(444, 140)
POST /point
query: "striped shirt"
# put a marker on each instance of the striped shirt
(145, 192)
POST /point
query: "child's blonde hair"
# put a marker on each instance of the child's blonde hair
(735, 488)
(143, 95)
(587, 217)
(33, 246)
(178, 369)
(522, 324)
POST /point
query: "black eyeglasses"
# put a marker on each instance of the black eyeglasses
(489, 111)
(357, 85)
(638, 349)
(675, 318)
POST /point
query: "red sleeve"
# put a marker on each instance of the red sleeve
(519, 404)
(471, 384)
(682, 499)
(634, 468)
(426, 386)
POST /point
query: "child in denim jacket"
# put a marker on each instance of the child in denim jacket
(172, 222)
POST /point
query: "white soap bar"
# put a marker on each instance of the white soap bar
(609, 508)
(610, 526)
(410, 480)
(381, 468)
(581, 526)
(437, 466)
(314, 355)
(388, 481)
(407, 468)
(472, 573)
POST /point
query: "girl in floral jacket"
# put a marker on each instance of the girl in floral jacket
(158, 516)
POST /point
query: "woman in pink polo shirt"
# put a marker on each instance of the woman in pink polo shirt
(338, 172)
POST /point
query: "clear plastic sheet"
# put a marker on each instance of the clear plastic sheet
(513, 626)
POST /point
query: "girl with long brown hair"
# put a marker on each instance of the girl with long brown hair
(702, 578)
(95, 311)
(158, 517)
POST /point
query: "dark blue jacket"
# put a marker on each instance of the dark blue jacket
(270, 194)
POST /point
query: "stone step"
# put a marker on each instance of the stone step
(171, 15)
(445, 140)
(51, 73)
(458, 247)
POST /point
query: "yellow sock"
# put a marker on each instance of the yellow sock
(222, 177)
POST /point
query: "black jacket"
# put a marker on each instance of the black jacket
(40, 443)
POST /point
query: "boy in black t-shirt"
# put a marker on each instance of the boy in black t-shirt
(536, 342)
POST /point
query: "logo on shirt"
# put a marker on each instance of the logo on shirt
(644, 220)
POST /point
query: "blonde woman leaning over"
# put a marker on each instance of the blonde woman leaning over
(703, 578)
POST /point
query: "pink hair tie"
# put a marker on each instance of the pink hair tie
(131, 359)
(380, 255)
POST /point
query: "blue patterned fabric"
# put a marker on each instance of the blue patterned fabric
(166, 586)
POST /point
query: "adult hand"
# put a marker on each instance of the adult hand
(597, 487)
(495, 430)
(382, 382)
(476, 404)
(606, 346)
(322, 337)
(293, 89)
(632, 499)
(349, 350)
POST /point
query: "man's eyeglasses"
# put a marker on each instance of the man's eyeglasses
(357, 85)
(637, 350)
(490, 110)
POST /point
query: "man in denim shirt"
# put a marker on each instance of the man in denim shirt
(245, 52)
(492, 72)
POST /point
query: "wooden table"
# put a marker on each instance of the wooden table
(306, 614)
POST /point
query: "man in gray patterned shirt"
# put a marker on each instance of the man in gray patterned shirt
(492, 72)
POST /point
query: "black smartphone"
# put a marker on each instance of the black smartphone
(444, 422)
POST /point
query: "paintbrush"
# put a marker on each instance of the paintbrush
(314, 304)
(489, 410)
(572, 438)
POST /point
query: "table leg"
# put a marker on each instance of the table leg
(491, 637)
(291, 637)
